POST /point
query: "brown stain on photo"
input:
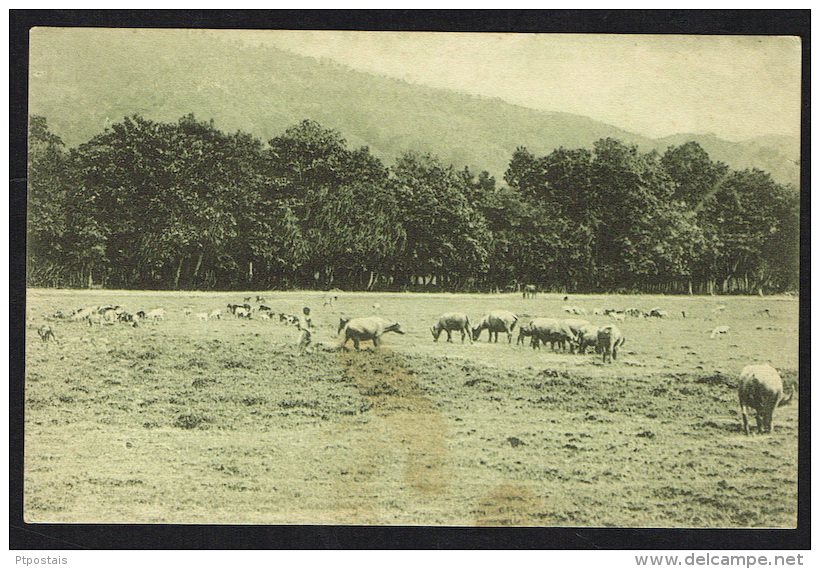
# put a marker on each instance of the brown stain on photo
(415, 431)
(508, 504)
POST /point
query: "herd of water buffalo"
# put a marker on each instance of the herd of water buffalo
(760, 386)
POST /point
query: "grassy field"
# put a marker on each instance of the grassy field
(222, 422)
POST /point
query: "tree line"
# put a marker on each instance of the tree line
(185, 206)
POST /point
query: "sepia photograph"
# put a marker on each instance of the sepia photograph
(412, 278)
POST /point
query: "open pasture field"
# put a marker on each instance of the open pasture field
(220, 421)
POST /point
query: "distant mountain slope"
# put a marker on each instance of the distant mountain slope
(264, 90)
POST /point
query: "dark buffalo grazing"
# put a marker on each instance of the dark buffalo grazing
(452, 322)
(610, 339)
(495, 322)
(761, 389)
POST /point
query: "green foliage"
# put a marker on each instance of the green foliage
(184, 205)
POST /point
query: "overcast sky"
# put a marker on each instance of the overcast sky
(736, 87)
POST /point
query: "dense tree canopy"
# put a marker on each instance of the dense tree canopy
(183, 205)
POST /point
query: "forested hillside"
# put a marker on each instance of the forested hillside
(173, 205)
(263, 90)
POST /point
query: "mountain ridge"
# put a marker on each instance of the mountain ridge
(263, 90)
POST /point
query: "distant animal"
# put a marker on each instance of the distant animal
(370, 328)
(187, 311)
(617, 316)
(495, 322)
(263, 308)
(242, 312)
(215, 314)
(377, 308)
(46, 333)
(764, 312)
(610, 339)
(597, 311)
(288, 319)
(575, 310)
(202, 316)
(260, 299)
(635, 312)
(306, 313)
(82, 314)
(761, 389)
(530, 291)
(717, 309)
(155, 314)
(658, 313)
(452, 322)
(719, 330)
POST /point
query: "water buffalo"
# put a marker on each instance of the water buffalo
(575, 324)
(530, 291)
(609, 340)
(497, 321)
(761, 389)
(370, 328)
(552, 331)
(587, 337)
(452, 322)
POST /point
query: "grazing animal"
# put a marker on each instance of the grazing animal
(546, 330)
(263, 308)
(156, 314)
(530, 291)
(215, 314)
(242, 312)
(452, 322)
(658, 313)
(717, 309)
(202, 316)
(610, 339)
(761, 389)
(635, 312)
(46, 333)
(288, 319)
(575, 324)
(764, 312)
(370, 328)
(587, 337)
(187, 311)
(719, 330)
(82, 314)
(110, 316)
(495, 322)
(617, 316)
(260, 299)
(575, 310)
